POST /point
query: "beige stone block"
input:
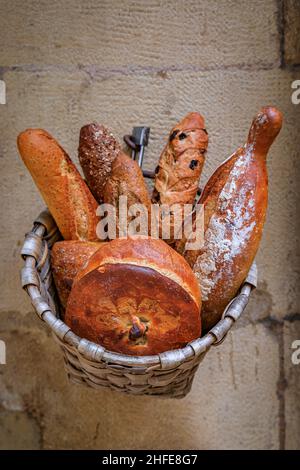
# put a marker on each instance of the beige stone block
(233, 403)
(292, 382)
(62, 103)
(18, 431)
(125, 35)
(127, 63)
(292, 32)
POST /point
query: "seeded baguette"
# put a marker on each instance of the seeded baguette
(97, 150)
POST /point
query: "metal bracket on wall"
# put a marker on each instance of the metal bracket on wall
(137, 142)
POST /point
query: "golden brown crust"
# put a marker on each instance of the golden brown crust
(64, 191)
(235, 203)
(180, 167)
(180, 164)
(146, 251)
(97, 150)
(136, 296)
(67, 257)
(126, 179)
(209, 197)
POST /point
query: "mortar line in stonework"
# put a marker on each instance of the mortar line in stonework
(94, 70)
(281, 387)
(281, 31)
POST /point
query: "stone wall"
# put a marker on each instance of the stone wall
(127, 63)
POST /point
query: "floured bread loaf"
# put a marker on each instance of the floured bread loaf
(235, 203)
(136, 296)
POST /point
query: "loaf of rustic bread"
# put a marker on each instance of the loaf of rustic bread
(67, 257)
(63, 189)
(97, 150)
(235, 203)
(126, 179)
(136, 296)
(179, 168)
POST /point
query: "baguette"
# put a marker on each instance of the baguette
(61, 185)
(126, 179)
(235, 204)
(97, 150)
(179, 168)
(136, 296)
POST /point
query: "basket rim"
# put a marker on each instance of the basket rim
(45, 233)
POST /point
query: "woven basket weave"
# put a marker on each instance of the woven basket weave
(169, 374)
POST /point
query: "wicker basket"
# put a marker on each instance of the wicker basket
(169, 374)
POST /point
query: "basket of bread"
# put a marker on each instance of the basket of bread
(136, 309)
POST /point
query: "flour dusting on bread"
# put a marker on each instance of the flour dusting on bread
(229, 229)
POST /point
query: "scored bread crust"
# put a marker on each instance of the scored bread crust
(146, 251)
(179, 170)
(181, 162)
(67, 258)
(139, 280)
(235, 203)
(209, 198)
(126, 179)
(60, 183)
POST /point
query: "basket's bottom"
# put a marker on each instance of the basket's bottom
(176, 392)
(164, 383)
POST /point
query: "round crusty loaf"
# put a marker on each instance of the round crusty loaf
(136, 296)
(67, 257)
